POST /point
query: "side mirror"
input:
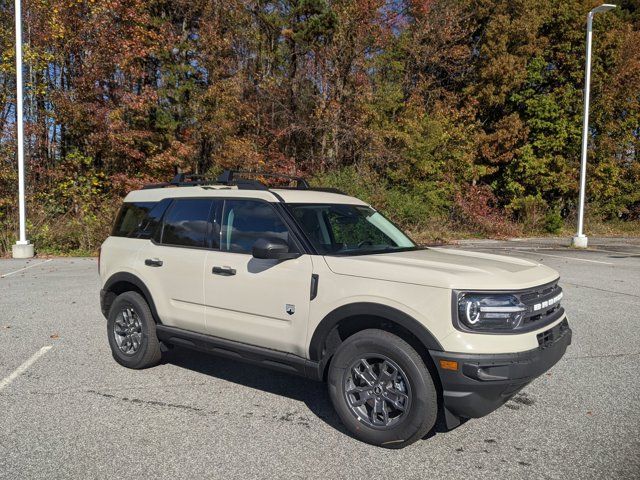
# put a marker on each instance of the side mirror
(273, 249)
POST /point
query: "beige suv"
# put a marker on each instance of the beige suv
(318, 283)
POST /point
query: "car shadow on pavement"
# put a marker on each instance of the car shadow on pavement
(313, 394)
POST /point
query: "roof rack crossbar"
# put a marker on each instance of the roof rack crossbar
(228, 177)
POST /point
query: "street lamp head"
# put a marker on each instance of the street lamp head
(603, 8)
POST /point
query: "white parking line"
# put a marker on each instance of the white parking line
(25, 268)
(23, 368)
(596, 249)
(533, 252)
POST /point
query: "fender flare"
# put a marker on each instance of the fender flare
(134, 280)
(369, 309)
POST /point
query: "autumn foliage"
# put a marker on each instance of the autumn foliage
(447, 114)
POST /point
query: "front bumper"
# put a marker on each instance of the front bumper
(483, 382)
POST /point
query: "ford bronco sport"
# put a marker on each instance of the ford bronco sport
(318, 283)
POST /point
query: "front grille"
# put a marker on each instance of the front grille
(548, 337)
(539, 311)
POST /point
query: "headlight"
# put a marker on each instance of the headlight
(490, 312)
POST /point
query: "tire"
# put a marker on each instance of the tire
(136, 345)
(415, 409)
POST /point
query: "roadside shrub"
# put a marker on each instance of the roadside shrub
(361, 183)
(475, 211)
(8, 231)
(72, 233)
(413, 210)
(553, 222)
(70, 213)
(530, 211)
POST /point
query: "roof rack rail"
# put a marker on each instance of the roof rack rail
(228, 177)
(328, 190)
(181, 180)
(189, 180)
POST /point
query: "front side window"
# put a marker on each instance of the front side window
(349, 229)
(188, 223)
(246, 221)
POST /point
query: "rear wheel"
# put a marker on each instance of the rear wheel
(132, 332)
(382, 390)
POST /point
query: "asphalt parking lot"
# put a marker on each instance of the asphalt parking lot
(73, 412)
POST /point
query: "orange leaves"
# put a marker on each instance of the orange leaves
(178, 154)
(431, 95)
(501, 146)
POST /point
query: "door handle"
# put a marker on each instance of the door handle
(153, 262)
(226, 271)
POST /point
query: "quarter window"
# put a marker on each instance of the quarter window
(130, 218)
(187, 223)
(245, 221)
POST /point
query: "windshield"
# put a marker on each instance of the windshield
(349, 229)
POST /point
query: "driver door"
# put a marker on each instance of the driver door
(256, 301)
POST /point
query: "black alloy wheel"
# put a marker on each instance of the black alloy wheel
(382, 390)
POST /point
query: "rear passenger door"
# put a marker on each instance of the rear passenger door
(173, 262)
(256, 301)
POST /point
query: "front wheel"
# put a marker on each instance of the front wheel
(132, 332)
(382, 390)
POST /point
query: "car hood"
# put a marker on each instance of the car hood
(446, 268)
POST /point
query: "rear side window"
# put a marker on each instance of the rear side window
(188, 223)
(130, 218)
(245, 221)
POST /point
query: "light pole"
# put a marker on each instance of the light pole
(23, 248)
(581, 240)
